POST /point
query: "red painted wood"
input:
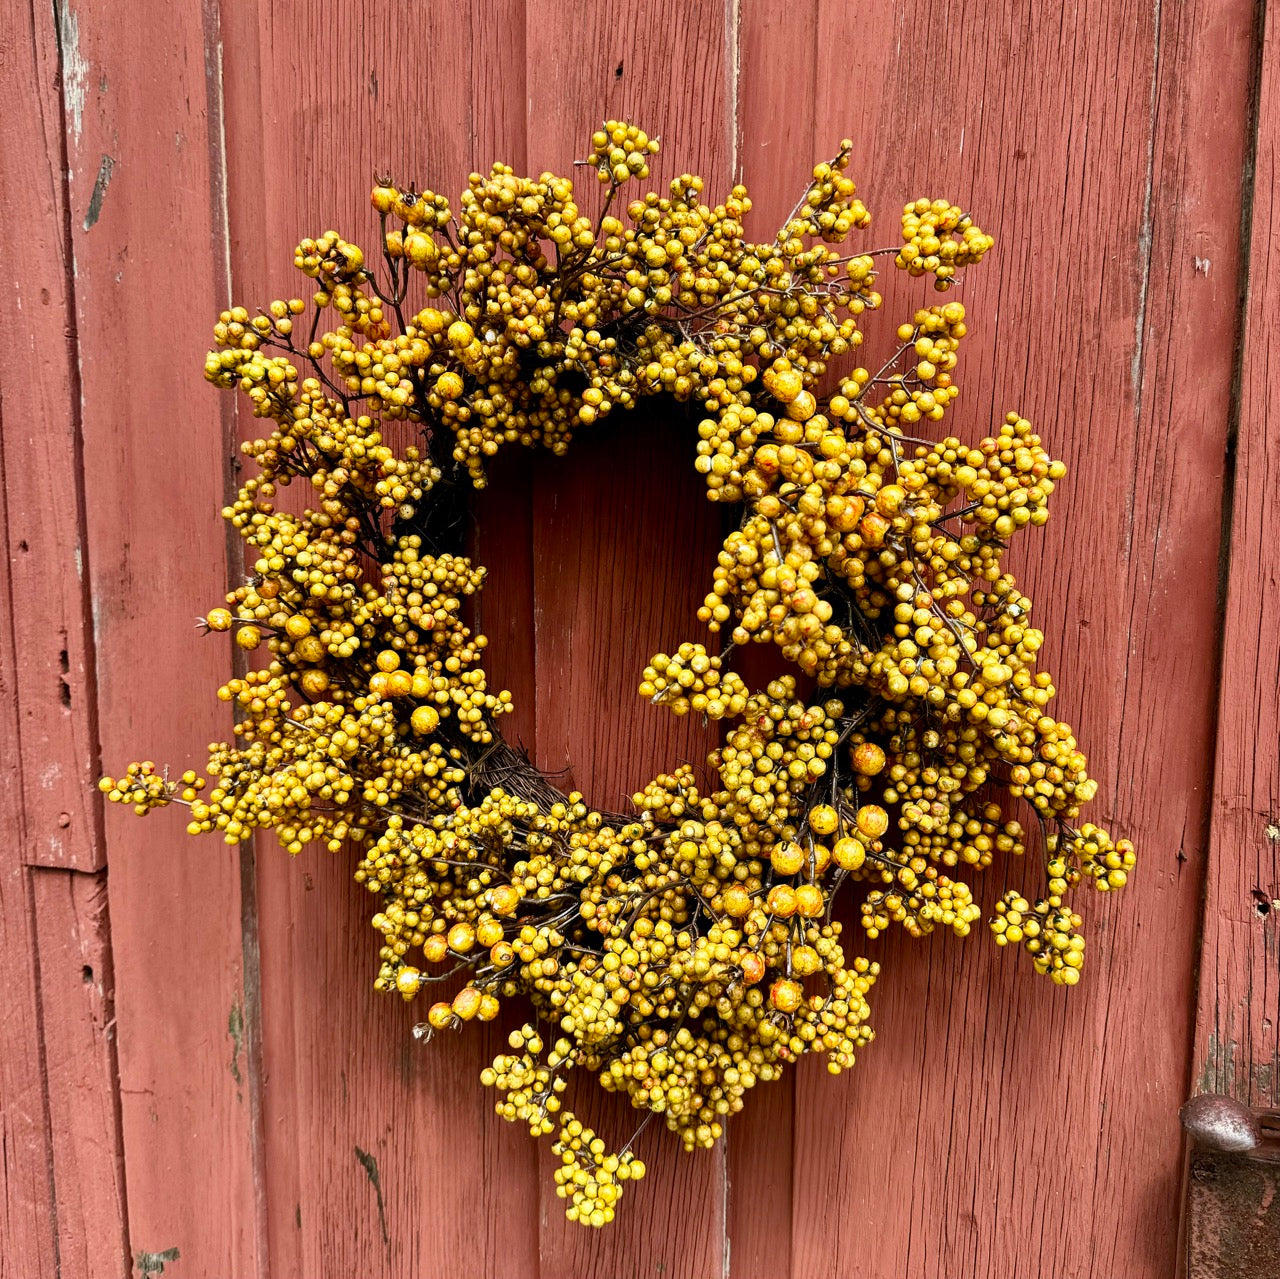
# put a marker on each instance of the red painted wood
(617, 568)
(997, 1125)
(54, 676)
(26, 1193)
(502, 540)
(624, 542)
(618, 564)
(776, 44)
(348, 1091)
(147, 233)
(1237, 1047)
(77, 1015)
(63, 1178)
(1104, 148)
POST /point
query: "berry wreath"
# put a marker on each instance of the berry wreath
(687, 951)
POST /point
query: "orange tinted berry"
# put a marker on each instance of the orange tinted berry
(785, 995)
(872, 821)
(823, 820)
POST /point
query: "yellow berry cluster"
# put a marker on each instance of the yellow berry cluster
(146, 789)
(620, 151)
(689, 949)
(589, 1178)
(692, 680)
(938, 237)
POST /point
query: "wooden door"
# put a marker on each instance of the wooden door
(194, 1068)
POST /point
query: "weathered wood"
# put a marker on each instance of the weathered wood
(999, 1125)
(63, 1190)
(1237, 1047)
(78, 1024)
(618, 578)
(375, 1143)
(624, 541)
(54, 673)
(26, 1192)
(776, 44)
(148, 243)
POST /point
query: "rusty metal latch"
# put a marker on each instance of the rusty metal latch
(1232, 1220)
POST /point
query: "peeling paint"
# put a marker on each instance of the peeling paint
(75, 69)
(1262, 1078)
(1202, 266)
(1215, 1071)
(153, 1263)
(103, 180)
(235, 1028)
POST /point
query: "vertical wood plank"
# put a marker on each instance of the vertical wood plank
(26, 1191)
(42, 393)
(1118, 122)
(49, 677)
(776, 94)
(375, 1144)
(57, 1037)
(502, 513)
(26, 1195)
(1159, 729)
(997, 1125)
(77, 1011)
(147, 224)
(502, 535)
(236, 65)
(619, 524)
(1237, 1046)
(624, 541)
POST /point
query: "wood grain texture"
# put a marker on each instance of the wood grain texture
(1083, 142)
(776, 93)
(1237, 1048)
(375, 1143)
(621, 564)
(77, 1017)
(148, 243)
(54, 674)
(998, 1125)
(63, 1178)
(26, 1191)
(617, 580)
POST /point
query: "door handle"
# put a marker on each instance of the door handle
(1232, 1190)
